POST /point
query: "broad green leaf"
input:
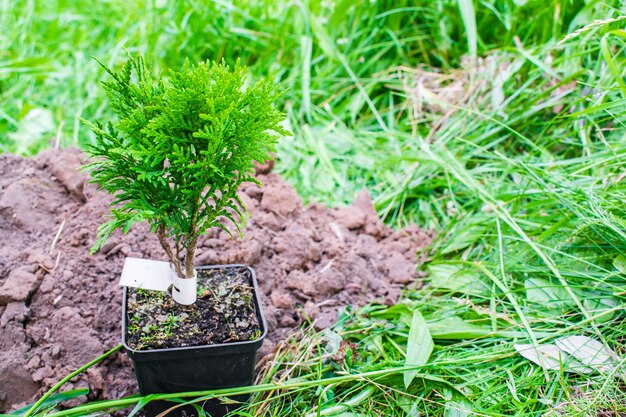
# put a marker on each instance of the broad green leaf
(457, 405)
(457, 328)
(419, 346)
(541, 291)
(597, 304)
(397, 312)
(457, 278)
(620, 263)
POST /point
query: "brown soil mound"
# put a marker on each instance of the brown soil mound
(60, 307)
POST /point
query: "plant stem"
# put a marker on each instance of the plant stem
(192, 243)
(59, 384)
(166, 247)
(189, 255)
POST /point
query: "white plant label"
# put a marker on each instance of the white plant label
(184, 289)
(158, 276)
(146, 274)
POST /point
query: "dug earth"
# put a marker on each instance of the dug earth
(60, 307)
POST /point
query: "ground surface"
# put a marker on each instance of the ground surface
(60, 307)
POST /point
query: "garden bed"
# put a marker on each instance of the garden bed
(60, 307)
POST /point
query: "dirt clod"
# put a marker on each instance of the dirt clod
(16, 312)
(18, 285)
(399, 269)
(64, 166)
(310, 262)
(350, 217)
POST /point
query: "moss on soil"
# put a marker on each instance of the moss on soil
(224, 312)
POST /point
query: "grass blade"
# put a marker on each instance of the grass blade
(468, 14)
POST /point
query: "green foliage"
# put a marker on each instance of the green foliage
(180, 149)
(320, 50)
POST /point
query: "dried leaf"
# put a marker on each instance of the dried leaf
(333, 341)
(546, 356)
(588, 351)
(579, 354)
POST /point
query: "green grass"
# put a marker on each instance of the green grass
(516, 158)
(328, 54)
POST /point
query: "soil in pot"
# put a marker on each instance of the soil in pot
(223, 313)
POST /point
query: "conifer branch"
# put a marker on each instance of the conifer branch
(180, 148)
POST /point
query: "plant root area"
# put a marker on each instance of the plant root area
(60, 307)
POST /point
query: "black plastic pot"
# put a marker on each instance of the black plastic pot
(196, 368)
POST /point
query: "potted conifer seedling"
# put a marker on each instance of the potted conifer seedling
(174, 158)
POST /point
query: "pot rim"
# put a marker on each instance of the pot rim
(216, 346)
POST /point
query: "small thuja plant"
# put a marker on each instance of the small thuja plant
(179, 149)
